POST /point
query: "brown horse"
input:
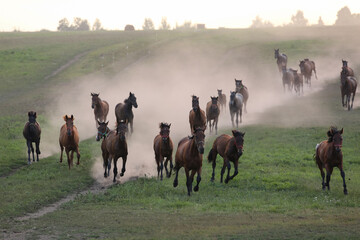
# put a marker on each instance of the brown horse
(189, 155)
(69, 139)
(163, 148)
(114, 147)
(212, 113)
(197, 117)
(123, 111)
(241, 88)
(281, 59)
(32, 132)
(348, 87)
(103, 130)
(348, 70)
(306, 68)
(298, 82)
(230, 148)
(222, 99)
(287, 79)
(101, 108)
(328, 155)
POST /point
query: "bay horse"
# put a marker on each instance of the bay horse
(189, 155)
(222, 99)
(101, 108)
(306, 68)
(235, 106)
(287, 79)
(281, 59)
(348, 87)
(230, 148)
(114, 147)
(163, 148)
(123, 111)
(212, 113)
(197, 117)
(298, 82)
(347, 69)
(32, 133)
(241, 88)
(69, 139)
(328, 155)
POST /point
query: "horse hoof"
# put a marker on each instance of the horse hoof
(196, 188)
(175, 184)
(345, 192)
(212, 180)
(121, 174)
(227, 180)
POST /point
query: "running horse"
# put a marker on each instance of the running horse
(222, 99)
(298, 82)
(163, 148)
(212, 113)
(101, 108)
(235, 106)
(348, 88)
(197, 117)
(32, 132)
(281, 59)
(69, 139)
(123, 111)
(230, 148)
(306, 68)
(329, 155)
(241, 88)
(287, 79)
(189, 155)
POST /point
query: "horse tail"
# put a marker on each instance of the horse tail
(212, 155)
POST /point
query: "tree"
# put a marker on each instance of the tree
(164, 24)
(129, 27)
(97, 25)
(64, 25)
(298, 20)
(80, 24)
(259, 23)
(148, 24)
(344, 17)
(320, 22)
(186, 26)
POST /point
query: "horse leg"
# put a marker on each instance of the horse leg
(189, 180)
(198, 180)
(115, 168)
(240, 115)
(161, 167)
(343, 177)
(72, 158)
(109, 165)
(213, 164)
(328, 176)
(32, 151)
(77, 155)
(348, 102)
(68, 158)
(28, 143)
(222, 172)
(61, 154)
(37, 144)
(236, 164)
(352, 101)
(216, 123)
(176, 177)
(232, 118)
(123, 169)
(227, 162)
(245, 110)
(237, 119)
(165, 165)
(323, 177)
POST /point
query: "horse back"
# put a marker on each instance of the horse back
(220, 144)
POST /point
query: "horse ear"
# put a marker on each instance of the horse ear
(65, 117)
(29, 114)
(107, 123)
(233, 132)
(98, 122)
(243, 134)
(72, 117)
(341, 131)
(35, 114)
(169, 125)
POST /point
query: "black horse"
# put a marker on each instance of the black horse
(32, 132)
(123, 111)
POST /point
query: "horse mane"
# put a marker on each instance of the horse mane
(333, 130)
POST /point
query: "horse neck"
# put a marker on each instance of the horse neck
(128, 105)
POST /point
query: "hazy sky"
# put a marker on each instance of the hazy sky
(34, 15)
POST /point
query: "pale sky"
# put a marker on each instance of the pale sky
(34, 15)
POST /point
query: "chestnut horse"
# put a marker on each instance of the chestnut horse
(32, 132)
(212, 113)
(241, 88)
(222, 99)
(235, 106)
(306, 68)
(348, 87)
(328, 155)
(281, 59)
(101, 108)
(298, 82)
(123, 111)
(163, 148)
(114, 147)
(189, 155)
(197, 117)
(348, 70)
(69, 139)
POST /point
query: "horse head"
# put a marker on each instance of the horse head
(69, 124)
(214, 100)
(94, 99)
(344, 62)
(199, 137)
(102, 130)
(121, 130)
(302, 65)
(232, 97)
(165, 131)
(239, 140)
(276, 53)
(32, 117)
(195, 103)
(238, 83)
(335, 136)
(132, 99)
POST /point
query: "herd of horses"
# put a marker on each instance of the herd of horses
(190, 149)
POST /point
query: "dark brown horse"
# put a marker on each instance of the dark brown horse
(328, 155)
(189, 155)
(348, 88)
(230, 149)
(123, 111)
(287, 79)
(32, 132)
(241, 88)
(348, 70)
(222, 99)
(114, 147)
(212, 114)
(281, 59)
(197, 117)
(306, 68)
(103, 130)
(101, 108)
(163, 148)
(69, 139)
(298, 82)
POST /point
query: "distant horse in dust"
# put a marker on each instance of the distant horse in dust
(32, 133)
(348, 87)
(222, 99)
(197, 117)
(328, 155)
(123, 111)
(163, 148)
(230, 148)
(235, 107)
(189, 155)
(287, 79)
(241, 88)
(348, 70)
(212, 114)
(103, 132)
(101, 108)
(281, 59)
(306, 68)
(114, 147)
(298, 82)
(69, 139)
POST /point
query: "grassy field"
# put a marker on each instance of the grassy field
(277, 194)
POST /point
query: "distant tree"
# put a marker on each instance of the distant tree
(298, 20)
(148, 24)
(259, 23)
(80, 24)
(64, 25)
(129, 27)
(186, 26)
(164, 24)
(344, 17)
(320, 22)
(97, 25)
